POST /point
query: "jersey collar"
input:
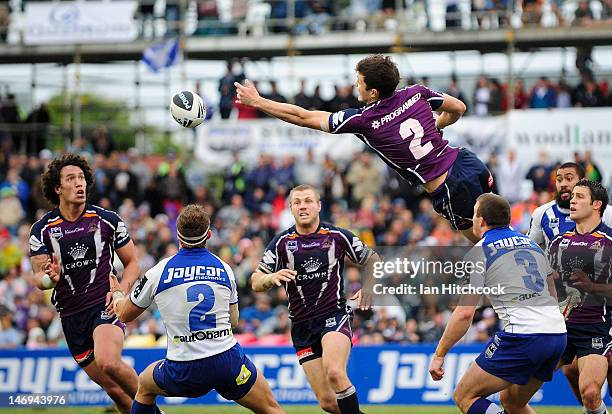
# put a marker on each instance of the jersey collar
(59, 213)
(490, 231)
(597, 228)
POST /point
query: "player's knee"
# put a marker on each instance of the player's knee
(460, 398)
(510, 406)
(591, 396)
(329, 404)
(336, 375)
(110, 367)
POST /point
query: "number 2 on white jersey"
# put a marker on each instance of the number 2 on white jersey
(412, 127)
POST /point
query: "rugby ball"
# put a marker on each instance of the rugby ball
(187, 108)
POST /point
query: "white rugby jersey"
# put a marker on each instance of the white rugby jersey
(549, 220)
(518, 265)
(193, 291)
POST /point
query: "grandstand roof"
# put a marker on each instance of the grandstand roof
(332, 43)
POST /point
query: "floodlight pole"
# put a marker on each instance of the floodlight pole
(139, 139)
(510, 37)
(67, 109)
(77, 95)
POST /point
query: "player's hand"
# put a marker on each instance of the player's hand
(364, 300)
(246, 94)
(111, 305)
(572, 300)
(283, 276)
(436, 369)
(53, 268)
(581, 281)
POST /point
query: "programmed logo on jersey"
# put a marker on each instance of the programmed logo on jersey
(318, 259)
(402, 130)
(193, 291)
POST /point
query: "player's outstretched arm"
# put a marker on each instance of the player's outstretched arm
(260, 281)
(248, 95)
(122, 305)
(451, 110)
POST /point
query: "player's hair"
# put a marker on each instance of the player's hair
(577, 167)
(52, 177)
(380, 73)
(598, 193)
(494, 209)
(303, 187)
(192, 226)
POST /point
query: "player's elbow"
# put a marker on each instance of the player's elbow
(464, 313)
(461, 108)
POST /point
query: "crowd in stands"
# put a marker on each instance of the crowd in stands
(248, 206)
(229, 17)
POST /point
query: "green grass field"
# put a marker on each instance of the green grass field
(295, 409)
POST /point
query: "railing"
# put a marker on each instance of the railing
(162, 18)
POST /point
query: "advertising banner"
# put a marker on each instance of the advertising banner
(390, 374)
(78, 22)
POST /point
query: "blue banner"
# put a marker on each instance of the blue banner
(382, 375)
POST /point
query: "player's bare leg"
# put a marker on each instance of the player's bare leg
(476, 384)
(516, 398)
(320, 385)
(112, 389)
(144, 402)
(260, 399)
(108, 344)
(593, 371)
(571, 374)
(336, 350)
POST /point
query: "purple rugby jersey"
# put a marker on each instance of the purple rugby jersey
(318, 259)
(590, 253)
(402, 130)
(85, 249)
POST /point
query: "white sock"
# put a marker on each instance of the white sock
(600, 410)
(494, 409)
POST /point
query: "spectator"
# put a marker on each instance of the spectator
(308, 172)
(364, 177)
(453, 90)
(539, 173)
(482, 96)
(5, 19)
(508, 175)
(302, 99)
(543, 95)
(521, 100)
(496, 97)
(583, 16)
(592, 171)
(9, 336)
(564, 96)
(11, 211)
(588, 94)
(532, 12)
